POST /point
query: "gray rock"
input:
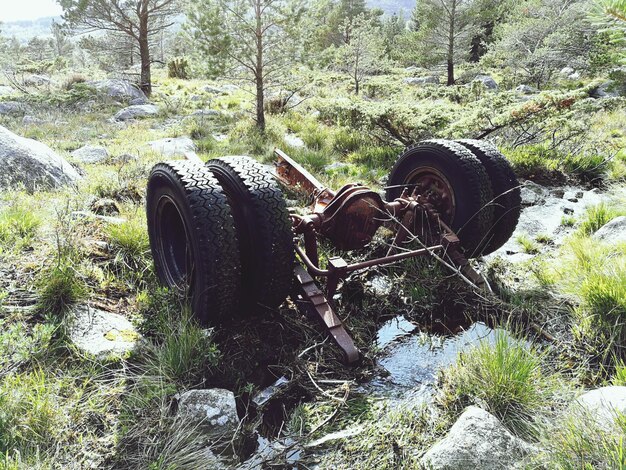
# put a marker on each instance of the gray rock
(136, 112)
(229, 88)
(214, 90)
(574, 76)
(602, 405)
(90, 154)
(138, 101)
(38, 80)
(215, 409)
(293, 140)
(105, 207)
(336, 166)
(124, 158)
(29, 120)
(488, 81)
(31, 164)
(477, 441)
(421, 81)
(607, 89)
(613, 232)
(220, 137)
(173, 146)
(566, 71)
(6, 90)
(205, 112)
(101, 333)
(525, 90)
(532, 193)
(121, 89)
(196, 98)
(13, 108)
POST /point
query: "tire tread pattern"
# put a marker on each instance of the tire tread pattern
(506, 192)
(214, 227)
(273, 237)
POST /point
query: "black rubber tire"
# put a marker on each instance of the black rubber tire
(193, 239)
(264, 229)
(468, 178)
(507, 200)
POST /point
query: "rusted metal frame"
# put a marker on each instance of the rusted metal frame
(370, 263)
(327, 316)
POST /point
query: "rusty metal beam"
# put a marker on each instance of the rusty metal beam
(326, 314)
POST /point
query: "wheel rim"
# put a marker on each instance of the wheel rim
(435, 187)
(174, 246)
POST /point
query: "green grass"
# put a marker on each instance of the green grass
(528, 245)
(33, 413)
(60, 287)
(18, 227)
(568, 221)
(577, 441)
(597, 216)
(507, 378)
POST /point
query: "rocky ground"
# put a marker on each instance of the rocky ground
(83, 315)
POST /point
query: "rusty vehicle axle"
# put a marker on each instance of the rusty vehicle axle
(349, 218)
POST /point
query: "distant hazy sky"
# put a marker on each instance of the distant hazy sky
(13, 10)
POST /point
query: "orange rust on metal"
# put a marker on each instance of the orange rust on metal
(326, 314)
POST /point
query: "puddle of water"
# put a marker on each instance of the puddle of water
(413, 362)
(392, 330)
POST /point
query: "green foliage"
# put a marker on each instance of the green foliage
(18, 227)
(178, 67)
(181, 351)
(528, 245)
(579, 441)
(59, 287)
(33, 413)
(597, 216)
(20, 344)
(505, 377)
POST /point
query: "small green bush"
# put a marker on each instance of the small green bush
(59, 288)
(505, 377)
(18, 227)
(32, 413)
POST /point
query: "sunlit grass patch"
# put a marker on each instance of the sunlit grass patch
(597, 216)
(33, 411)
(18, 226)
(505, 377)
(527, 244)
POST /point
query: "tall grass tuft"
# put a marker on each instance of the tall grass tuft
(59, 287)
(18, 227)
(506, 377)
(597, 216)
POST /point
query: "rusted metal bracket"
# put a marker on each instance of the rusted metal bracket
(311, 292)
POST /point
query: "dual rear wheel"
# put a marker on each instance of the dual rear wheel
(220, 233)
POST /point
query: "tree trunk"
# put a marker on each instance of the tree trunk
(144, 52)
(260, 112)
(450, 55)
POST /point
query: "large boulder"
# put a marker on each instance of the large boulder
(90, 154)
(488, 81)
(478, 441)
(119, 89)
(603, 405)
(136, 112)
(13, 108)
(173, 146)
(614, 231)
(214, 409)
(421, 81)
(31, 164)
(101, 333)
